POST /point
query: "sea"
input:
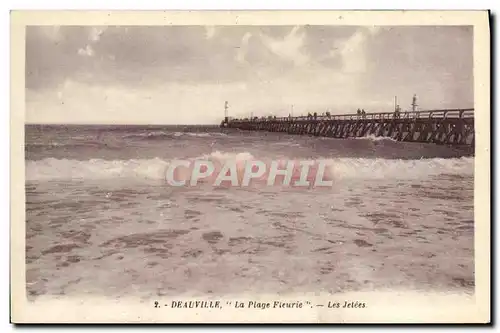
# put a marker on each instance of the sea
(101, 220)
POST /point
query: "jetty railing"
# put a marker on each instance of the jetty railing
(439, 113)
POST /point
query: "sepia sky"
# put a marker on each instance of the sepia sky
(183, 74)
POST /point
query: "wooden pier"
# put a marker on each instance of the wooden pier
(450, 127)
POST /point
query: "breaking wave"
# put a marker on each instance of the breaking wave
(148, 135)
(372, 137)
(337, 168)
(86, 144)
(158, 135)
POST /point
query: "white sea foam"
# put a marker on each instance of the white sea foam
(204, 134)
(147, 134)
(372, 137)
(339, 168)
(160, 134)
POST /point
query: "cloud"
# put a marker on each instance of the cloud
(288, 48)
(52, 33)
(95, 33)
(111, 72)
(177, 102)
(435, 62)
(87, 51)
(353, 51)
(243, 48)
(210, 32)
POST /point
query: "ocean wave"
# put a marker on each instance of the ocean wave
(372, 137)
(204, 134)
(46, 144)
(337, 168)
(148, 135)
(162, 135)
(84, 144)
(365, 168)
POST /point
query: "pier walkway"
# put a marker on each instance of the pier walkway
(452, 126)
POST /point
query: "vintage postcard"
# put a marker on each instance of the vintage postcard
(250, 167)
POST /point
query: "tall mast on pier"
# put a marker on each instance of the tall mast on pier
(414, 103)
